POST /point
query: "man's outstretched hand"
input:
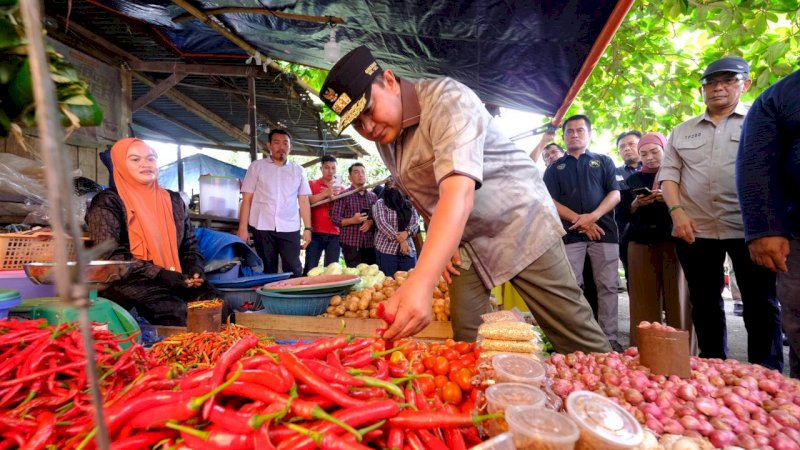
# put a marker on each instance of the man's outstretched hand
(409, 310)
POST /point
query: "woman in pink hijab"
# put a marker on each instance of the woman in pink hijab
(150, 226)
(656, 284)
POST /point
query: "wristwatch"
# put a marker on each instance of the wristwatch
(308, 229)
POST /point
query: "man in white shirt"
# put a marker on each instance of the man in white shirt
(275, 195)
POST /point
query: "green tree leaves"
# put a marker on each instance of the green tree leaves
(648, 78)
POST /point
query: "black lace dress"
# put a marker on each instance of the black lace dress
(142, 288)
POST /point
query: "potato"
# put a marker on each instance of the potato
(353, 306)
(331, 309)
(340, 309)
(378, 297)
(437, 293)
(389, 282)
(401, 274)
(373, 313)
(336, 300)
(388, 292)
(363, 314)
(350, 314)
(442, 286)
(363, 304)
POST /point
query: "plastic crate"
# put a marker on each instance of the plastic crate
(18, 249)
(300, 304)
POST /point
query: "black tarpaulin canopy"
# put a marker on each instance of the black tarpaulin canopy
(524, 55)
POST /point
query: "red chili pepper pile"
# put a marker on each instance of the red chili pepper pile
(332, 393)
(199, 349)
(44, 396)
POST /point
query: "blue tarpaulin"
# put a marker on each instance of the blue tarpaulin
(193, 167)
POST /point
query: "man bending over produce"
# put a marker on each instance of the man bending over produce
(491, 219)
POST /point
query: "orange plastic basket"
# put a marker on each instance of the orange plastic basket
(18, 249)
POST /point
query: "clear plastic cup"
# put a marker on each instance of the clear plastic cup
(501, 396)
(510, 368)
(541, 429)
(500, 442)
(603, 423)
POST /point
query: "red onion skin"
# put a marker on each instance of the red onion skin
(655, 426)
(721, 438)
(746, 441)
(761, 440)
(672, 426)
(785, 419)
(783, 442)
(720, 424)
(707, 406)
(690, 423)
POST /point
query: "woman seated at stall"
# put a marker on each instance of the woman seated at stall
(149, 226)
(656, 285)
(397, 222)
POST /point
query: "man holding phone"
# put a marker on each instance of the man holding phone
(325, 235)
(351, 215)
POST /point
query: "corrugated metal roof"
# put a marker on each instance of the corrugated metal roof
(280, 102)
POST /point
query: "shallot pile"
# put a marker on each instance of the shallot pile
(726, 401)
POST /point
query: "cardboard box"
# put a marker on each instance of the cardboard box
(665, 352)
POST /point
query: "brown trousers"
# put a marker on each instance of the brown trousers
(549, 289)
(657, 285)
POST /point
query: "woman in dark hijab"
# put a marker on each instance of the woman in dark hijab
(397, 222)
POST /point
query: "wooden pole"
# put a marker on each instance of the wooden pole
(244, 45)
(180, 170)
(349, 193)
(252, 119)
(70, 284)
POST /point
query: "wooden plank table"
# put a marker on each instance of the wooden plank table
(309, 327)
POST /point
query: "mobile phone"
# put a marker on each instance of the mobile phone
(365, 211)
(337, 181)
(642, 191)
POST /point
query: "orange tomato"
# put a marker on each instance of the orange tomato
(441, 366)
(426, 385)
(463, 378)
(463, 347)
(451, 354)
(439, 380)
(428, 362)
(451, 393)
(449, 343)
(467, 407)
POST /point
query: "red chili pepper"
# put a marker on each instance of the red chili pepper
(368, 393)
(365, 357)
(471, 435)
(333, 360)
(454, 439)
(431, 442)
(414, 441)
(332, 374)
(118, 416)
(47, 427)
(369, 413)
(333, 442)
(357, 345)
(302, 408)
(267, 379)
(258, 361)
(417, 420)
(141, 440)
(225, 361)
(323, 346)
(382, 369)
(388, 386)
(315, 382)
(395, 439)
(214, 439)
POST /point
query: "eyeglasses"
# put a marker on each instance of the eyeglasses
(722, 81)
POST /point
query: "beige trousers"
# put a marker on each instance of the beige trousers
(549, 289)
